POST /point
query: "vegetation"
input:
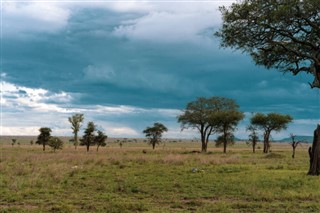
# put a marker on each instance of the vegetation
(253, 137)
(44, 136)
(314, 153)
(294, 144)
(128, 180)
(154, 133)
(268, 123)
(210, 115)
(55, 143)
(100, 139)
(88, 138)
(226, 122)
(282, 34)
(76, 121)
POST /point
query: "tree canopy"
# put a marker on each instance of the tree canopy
(154, 133)
(76, 121)
(88, 138)
(281, 34)
(207, 116)
(44, 136)
(268, 123)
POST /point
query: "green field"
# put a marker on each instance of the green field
(171, 178)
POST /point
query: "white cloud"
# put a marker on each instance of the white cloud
(20, 18)
(167, 27)
(20, 98)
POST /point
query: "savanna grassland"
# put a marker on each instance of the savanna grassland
(171, 178)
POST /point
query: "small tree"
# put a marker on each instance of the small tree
(44, 136)
(294, 144)
(268, 123)
(76, 121)
(225, 139)
(55, 143)
(225, 122)
(13, 141)
(31, 142)
(88, 138)
(154, 133)
(253, 137)
(100, 139)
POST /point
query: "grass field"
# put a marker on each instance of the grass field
(169, 179)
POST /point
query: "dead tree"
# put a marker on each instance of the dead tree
(294, 144)
(314, 153)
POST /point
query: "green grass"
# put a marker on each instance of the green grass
(127, 180)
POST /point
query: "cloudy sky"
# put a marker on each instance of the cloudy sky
(128, 64)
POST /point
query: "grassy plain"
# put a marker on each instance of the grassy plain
(171, 178)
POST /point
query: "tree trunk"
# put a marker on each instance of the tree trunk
(314, 153)
(293, 151)
(254, 147)
(97, 147)
(266, 144)
(203, 143)
(44, 147)
(88, 148)
(153, 145)
(75, 140)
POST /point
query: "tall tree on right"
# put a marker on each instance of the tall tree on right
(282, 34)
(268, 123)
(76, 121)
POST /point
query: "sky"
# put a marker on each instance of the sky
(128, 64)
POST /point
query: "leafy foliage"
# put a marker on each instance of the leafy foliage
(100, 139)
(76, 121)
(88, 138)
(281, 34)
(210, 115)
(268, 123)
(44, 136)
(55, 143)
(154, 133)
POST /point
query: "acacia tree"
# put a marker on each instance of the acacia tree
(268, 123)
(88, 139)
(76, 121)
(100, 139)
(154, 133)
(225, 123)
(203, 114)
(281, 34)
(253, 137)
(44, 136)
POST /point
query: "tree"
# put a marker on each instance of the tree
(268, 123)
(44, 136)
(253, 137)
(314, 153)
(281, 34)
(154, 133)
(225, 123)
(55, 143)
(202, 115)
(76, 121)
(88, 138)
(100, 139)
(13, 141)
(294, 144)
(225, 139)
